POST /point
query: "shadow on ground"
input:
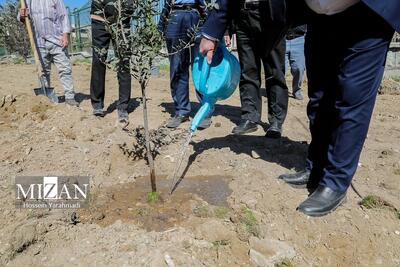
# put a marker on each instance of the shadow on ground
(133, 104)
(80, 97)
(230, 112)
(284, 152)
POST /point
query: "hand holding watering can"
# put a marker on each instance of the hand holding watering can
(215, 81)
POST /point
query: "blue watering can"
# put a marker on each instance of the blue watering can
(215, 81)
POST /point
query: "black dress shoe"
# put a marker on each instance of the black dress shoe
(322, 202)
(298, 179)
(246, 126)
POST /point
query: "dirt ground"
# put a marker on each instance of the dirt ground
(229, 200)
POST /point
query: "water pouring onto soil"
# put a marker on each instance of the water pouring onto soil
(182, 156)
(215, 81)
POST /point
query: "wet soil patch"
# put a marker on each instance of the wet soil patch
(129, 202)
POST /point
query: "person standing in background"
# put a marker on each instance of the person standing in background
(101, 39)
(277, 90)
(179, 18)
(260, 41)
(295, 59)
(51, 26)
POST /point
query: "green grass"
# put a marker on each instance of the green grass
(220, 243)
(86, 61)
(19, 61)
(140, 212)
(153, 197)
(375, 202)
(371, 202)
(164, 67)
(221, 212)
(201, 211)
(396, 78)
(205, 211)
(249, 220)
(285, 263)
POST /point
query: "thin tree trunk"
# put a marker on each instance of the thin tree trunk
(147, 136)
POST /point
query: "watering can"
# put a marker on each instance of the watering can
(216, 81)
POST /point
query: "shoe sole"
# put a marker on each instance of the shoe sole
(174, 127)
(72, 105)
(297, 186)
(252, 130)
(203, 128)
(123, 124)
(320, 214)
(273, 135)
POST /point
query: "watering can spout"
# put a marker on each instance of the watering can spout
(203, 113)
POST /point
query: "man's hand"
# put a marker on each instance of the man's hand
(65, 40)
(23, 13)
(207, 47)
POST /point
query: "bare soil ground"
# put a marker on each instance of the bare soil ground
(230, 193)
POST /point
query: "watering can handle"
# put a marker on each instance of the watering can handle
(205, 73)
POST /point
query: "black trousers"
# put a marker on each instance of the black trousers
(101, 39)
(260, 30)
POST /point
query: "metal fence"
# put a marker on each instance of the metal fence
(393, 58)
(80, 38)
(3, 50)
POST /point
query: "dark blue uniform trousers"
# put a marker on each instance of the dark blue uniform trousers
(345, 58)
(179, 24)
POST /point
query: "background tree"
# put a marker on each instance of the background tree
(13, 34)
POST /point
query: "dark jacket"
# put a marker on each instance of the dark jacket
(218, 19)
(294, 13)
(387, 9)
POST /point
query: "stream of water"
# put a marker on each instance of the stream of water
(178, 165)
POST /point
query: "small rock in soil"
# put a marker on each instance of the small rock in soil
(213, 231)
(268, 252)
(169, 261)
(28, 150)
(98, 216)
(255, 155)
